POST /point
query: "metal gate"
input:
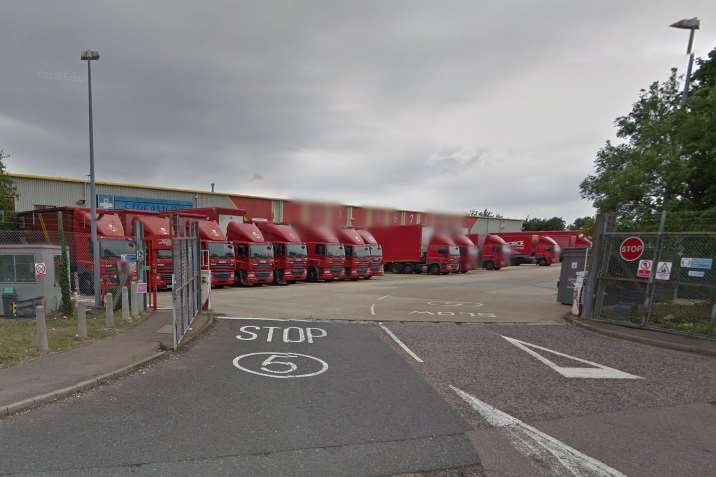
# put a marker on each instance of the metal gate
(186, 287)
(657, 279)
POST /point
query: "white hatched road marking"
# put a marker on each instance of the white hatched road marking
(400, 343)
(598, 372)
(544, 449)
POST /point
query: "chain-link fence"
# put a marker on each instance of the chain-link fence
(660, 279)
(186, 289)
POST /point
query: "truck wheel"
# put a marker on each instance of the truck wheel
(312, 275)
(86, 285)
(398, 268)
(541, 262)
(434, 269)
(278, 278)
(489, 265)
(408, 268)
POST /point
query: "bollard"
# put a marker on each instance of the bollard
(81, 320)
(108, 311)
(125, 304)
(40, 329)
(713, 314)
(134, 300)
(76, 278)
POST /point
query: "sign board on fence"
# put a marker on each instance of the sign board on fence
(644, 270)
(141, 287)
(703, 263)
(663, 270)
(631, 248)
(697, 273)
(40, 271)
(129, 257)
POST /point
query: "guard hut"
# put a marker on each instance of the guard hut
(573, 262)
(29, 274)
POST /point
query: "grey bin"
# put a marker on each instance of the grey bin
(573, 260)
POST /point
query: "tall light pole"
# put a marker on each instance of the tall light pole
(89, 56)
(691, 24)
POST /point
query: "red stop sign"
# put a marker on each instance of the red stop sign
(631, 248)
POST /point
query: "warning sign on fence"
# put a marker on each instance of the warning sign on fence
(663, 271)
(40, 271)
(644, 270)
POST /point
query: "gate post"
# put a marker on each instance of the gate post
(594, 265)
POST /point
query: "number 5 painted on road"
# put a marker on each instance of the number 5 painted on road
(272, 361)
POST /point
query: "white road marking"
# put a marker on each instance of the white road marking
(598, 372)
(372, 309)
(282, 373)
(560, 458)
(383, 297)
(400, 343)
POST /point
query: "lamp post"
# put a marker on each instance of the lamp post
(691, 24)
(89, 56)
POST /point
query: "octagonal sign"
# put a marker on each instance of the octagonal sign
(631, 248)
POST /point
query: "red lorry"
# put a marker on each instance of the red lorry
(528, 247)
(376, 253)
(254, 254)
(217, 253)
(567, 238)
(326, 255)
(290, 254)
(358, 255)
(157, 242)
(493, 251)
(468, 252)
(416, 249)
(76, 223)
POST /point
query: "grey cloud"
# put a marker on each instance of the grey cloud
(436, 105)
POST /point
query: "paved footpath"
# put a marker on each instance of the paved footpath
(56, 371)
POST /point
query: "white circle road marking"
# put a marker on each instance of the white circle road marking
(454, 303)
(280, 373)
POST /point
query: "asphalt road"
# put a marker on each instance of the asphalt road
(471, 374)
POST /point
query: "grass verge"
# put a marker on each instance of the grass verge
(17, 337)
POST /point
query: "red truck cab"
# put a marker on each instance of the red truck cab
(528, 247)
(468, 252)
(376, 253)
(217, 253)
(567, 238)
(254, 254)
(76, 224)
(290, 254)
(358, 255)
(158, 244)
(493, 251)
(326, 255)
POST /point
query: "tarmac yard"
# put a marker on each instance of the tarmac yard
(472, 374)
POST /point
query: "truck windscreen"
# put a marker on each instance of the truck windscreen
(115, 248)
(261, 250)
(221, 250)
(455, 251)
(296, 250)
(335, 250)
(361, 251)
(376, 250)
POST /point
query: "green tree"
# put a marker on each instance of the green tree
(535, 223)
(584, 224)
(8, 194)
(665, 159)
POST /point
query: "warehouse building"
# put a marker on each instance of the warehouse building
(36, 192)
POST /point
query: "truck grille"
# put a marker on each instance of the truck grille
(262, 273)
(167, 277)
(375, 267)
(298, 271)
(336, 271)
(222, 274)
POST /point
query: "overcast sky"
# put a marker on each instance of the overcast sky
(435, 105)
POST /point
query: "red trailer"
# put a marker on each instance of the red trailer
(290, 255)
(326, 255)
(254, 254)
(376, 253)
(358, 255)
(468, 252)
(528, 247)
(218, 253)
(567, 238)
(76, 224)
(416, 249)
(493, 251)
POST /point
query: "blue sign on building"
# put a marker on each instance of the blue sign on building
(110, 201)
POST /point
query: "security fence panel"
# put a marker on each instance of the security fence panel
(186, 287)
(658, 279)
